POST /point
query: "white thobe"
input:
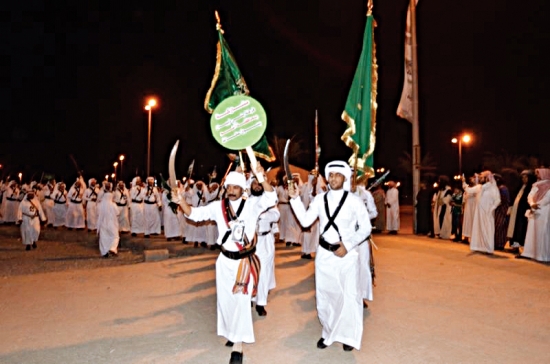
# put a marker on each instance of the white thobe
(265, 250)
(151, 211)
(289, 228)
(483, 228)
(10, 205)
(30, 214)
(75, 210)
(310, 236)
(137, 194)
(197, 229)
(47, 203)
(364, 248)
(121, 198)
(443, 198)
(172, 226)
(392, 212)
(107, 224)
(90, 197)
(234, 314)
(337, 285)
(59, 208)
(470, 198)
(537, 239)
(284, 210)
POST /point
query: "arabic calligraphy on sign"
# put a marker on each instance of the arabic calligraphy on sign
(238, 122)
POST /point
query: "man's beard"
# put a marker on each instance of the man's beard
(256, 193)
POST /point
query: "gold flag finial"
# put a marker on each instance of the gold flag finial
(218, 22)
(369, 7)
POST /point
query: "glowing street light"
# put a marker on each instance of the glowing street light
(121, 159)
(20, 177)
(106, 177)
(149, 107)
(465, 138)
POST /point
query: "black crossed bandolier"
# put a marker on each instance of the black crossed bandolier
(148, 196)
(93, 195)
(135, 200)
(322, 241)
(122, 201)
(76, 196)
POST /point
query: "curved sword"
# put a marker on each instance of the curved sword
(286, 165)
(172, 180)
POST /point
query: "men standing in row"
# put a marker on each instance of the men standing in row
(344, 224)
(90, 199)
(392, 208)
(152, 208)
(29, 215)
(483, 228)
(237, 266)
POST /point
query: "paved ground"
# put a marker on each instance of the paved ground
(435, 302)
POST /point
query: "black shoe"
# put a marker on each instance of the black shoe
(296, 244)
(348, 348)
(288, 243)
(28, 247)
(134, 234)
(261, 310)
(196, 245)
(70, 229)
(519, 256)
(321, 344)
(306, 256)
(112, 253)
(146, 236)
(365, 305)
(184, 242)
(34, 246)
(203, 245)
(106, 255)
(168, 239)
(236, 358)
(229, 344)
(213, 247)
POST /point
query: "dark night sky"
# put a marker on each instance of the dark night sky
(75, 78)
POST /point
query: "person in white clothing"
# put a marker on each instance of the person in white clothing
(265, 249)
(137, 216)
(10, 203)
(47, 203)
(60, 205)
(121, 197)
(365, 249)
(344, 223)
(471, 192)
(107, 223)
(172, 216)
(441, 204)
(30, 215)
(237, 267)
(152, 208)
(483, 228)
(537, 239)
(392, 208)
(90, 199)
(310, 235)
(75, 209)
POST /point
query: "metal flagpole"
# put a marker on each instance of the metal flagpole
(415, 130)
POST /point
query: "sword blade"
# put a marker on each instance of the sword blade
(172, 167)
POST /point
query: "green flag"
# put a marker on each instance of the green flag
(228, 81)
(360, 110)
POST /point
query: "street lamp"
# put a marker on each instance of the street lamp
(149, 107)
(114, 167)
(465, 138)
(20, 177)
(121, 159)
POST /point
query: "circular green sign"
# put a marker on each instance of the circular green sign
(238, 122)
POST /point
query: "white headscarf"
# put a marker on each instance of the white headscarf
(342, 168)
(236, 179)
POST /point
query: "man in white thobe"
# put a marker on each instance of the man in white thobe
(442, 218)
(60, 205)
(75, 209)
(537, 238)
(197, 229)
(367, 266)
(337, 279)
(152, 208)
(29, 215)
(471, 192)
(236, 220)
(137, 195)
(483, 228)
(10, 203)
(265, 249)
(310, 236)
(121, 197)
(172, 225)
(392, 208)
(90, 199)
(47, 203)
(107, 223)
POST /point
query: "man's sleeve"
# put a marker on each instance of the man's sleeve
(204, 213)
(306, 218)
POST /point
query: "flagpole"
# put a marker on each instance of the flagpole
(317, 148)
(415, 126)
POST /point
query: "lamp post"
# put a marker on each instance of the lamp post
(121, 159)
(149, 107)
(114, 167)
(466, 138)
